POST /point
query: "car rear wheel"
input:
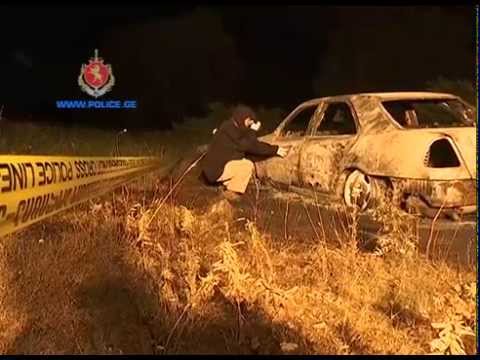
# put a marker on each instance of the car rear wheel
(363, 191)
(357, 190)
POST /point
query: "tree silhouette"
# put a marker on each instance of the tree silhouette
(399, 48)
(174, 67)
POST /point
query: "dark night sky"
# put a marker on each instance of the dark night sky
(176, 59)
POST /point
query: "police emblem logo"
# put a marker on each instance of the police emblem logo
(96, 78)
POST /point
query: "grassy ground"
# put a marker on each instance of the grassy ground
(27, 137)
(138, 272)
(47, 139)
(111, 278)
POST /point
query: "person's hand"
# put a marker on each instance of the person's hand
(283, 151)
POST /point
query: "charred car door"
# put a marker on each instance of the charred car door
(322, 153)
(291, 132)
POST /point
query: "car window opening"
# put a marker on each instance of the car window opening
(412, 114)
(298, 125)
(338, 120)
(442, 155)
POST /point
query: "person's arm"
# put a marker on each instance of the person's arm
(251, 145)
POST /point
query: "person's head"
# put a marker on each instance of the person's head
(244, 116)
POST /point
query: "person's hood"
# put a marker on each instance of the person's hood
(240, 113)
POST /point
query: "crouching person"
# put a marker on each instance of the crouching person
(226, 163)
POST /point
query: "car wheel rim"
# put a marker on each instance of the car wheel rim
(357, 190)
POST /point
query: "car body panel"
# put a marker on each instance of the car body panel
(401, 153)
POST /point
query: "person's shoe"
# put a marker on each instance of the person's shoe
(231, 195)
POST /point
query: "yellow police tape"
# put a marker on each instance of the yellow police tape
(33, 188)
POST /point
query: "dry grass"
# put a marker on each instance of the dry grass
(102, 281)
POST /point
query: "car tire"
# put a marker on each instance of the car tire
(357, 190)
(363, 191)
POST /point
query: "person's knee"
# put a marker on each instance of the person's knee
(249, 165)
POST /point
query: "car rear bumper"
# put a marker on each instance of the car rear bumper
(452, 198)
(446, 194)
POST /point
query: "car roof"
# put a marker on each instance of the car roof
(386, 96)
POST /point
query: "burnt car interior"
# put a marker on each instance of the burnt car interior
(298, 125)
(338, 120)
(411, 114)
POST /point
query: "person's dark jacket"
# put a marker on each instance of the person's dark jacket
(232, 142)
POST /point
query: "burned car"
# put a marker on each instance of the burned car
(416, 149)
